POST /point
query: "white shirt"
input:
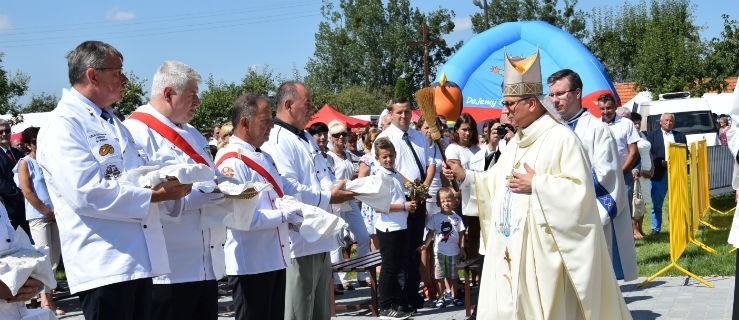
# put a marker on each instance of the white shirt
(304, 169)
(446, 230)
(396, 220)
(195, 253)
(97, 215)
(266, 246)
(434, 156)
(464, 155)
(667, 137)
(405, 163)
(624, 132)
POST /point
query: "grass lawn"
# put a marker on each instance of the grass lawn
(653, 253)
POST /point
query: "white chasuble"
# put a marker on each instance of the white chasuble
(610, 189)
(546, 253)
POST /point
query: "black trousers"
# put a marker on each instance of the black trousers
(129, 300)
(188, 300)
(392, 251)
(414, 239)
(259, 296)
(736, 290)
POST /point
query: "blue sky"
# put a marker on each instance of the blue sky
(222, 38)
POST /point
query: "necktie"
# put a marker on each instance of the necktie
(10, 156)
(415, 156)
(488, 159)
(105, 115)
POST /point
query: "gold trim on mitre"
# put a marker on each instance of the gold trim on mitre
(522, 77)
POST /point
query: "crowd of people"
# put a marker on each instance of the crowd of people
(151, 252)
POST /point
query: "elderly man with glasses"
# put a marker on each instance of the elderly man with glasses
(565, 90)
(546, 256)
(111, 234)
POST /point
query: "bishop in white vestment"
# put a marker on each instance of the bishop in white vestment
(546, 254)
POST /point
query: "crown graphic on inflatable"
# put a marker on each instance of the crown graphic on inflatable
(522, 76)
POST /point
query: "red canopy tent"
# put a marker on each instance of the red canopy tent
(327, 114)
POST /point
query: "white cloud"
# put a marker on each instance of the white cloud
(118, 14)
(5, 24)
(462, 24)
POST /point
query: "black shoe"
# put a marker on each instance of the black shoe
(392, 314)
(653, 233)
(338, 293)
(362, 284)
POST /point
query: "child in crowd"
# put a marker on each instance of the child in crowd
(390, 229)
(448, 229)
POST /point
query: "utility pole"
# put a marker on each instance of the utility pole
(426, 44)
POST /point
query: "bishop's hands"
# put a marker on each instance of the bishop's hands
(453, 171)
(521, 182)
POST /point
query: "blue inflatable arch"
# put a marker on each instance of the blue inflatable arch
(477, 67)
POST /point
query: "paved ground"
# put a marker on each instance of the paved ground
(664, 298)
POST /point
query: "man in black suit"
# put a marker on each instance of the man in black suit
(11, 195)
(659, 138)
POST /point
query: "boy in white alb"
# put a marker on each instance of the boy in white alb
(446, 229)
(391, 227)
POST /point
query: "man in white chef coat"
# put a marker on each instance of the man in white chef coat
(195, 250)
(257, 257)
(298, 160)
(111, 235)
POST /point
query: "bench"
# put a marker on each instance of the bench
(467, 266)
(368, 263)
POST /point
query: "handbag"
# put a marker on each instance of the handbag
(638, 205)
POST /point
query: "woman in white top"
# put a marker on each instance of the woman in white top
(463, 147)
(39, 210)
(344, 169)
(642, 174)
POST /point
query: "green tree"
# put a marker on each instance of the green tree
(364, 43)
(615, 36)
(134, 96)
(259, 82)
(722, 60)
(42, 102)
(11, 87)
(215, 104)
(401, 88)
(359, 100)
(564, 16)
(668, 58)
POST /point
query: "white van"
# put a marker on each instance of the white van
(693, 116)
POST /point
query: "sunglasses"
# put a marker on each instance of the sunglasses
(5, 131)
(338, 135)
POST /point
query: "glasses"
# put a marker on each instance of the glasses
(339, 135)
(509, 104)
(5, 131)
(118, 74)
(561, 93)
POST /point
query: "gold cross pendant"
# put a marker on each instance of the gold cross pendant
(507, 258)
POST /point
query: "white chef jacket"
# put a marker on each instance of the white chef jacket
(109, 232)
(304, 169)
(266, 246)
(195, 252)
(405, 164)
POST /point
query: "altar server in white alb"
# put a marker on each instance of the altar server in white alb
(298, 160)
(565, 90)
(111, 234)
(256, 258)
(546, 254)
(195, 250)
